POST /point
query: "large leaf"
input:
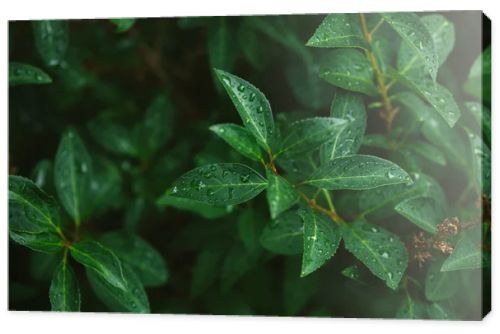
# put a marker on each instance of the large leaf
(205, 210)
(467, 253)
(347, 141)
(24, 74)
(51, 39)
(338, 31)
(439, 285)
(424, 212)
(252, 105)
(321, 240)
(443, 36)
(308, 134)
(144, 259)
(130, 298)
(280, 194)
(285, 235)
(357, 172)
(349, 69)
(414, 33)
(73, 176)
(64, 292)
(381, 251)
(219, 184)
(101, 260)
(240, 139)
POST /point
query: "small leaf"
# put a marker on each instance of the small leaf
(143, 258)
(240, 139)
(219, 184)
(252, 105)
(130, 298)
(64, 291)
(467, 253)
(357, 172)
(123, 25)
(321, 240)
(338, 31)
(73, 175)
(202, 209)
(205, 270)
(349, 69)
(424, 212)
(280, 194)
(285, 235)
(381, 251)
(51, 39)
(410, 309)
(308, 134)
(101, 260)
(439, 285)
(347, 141)
(45, 242)
(353, 272)
(24, 74)
(415, 34)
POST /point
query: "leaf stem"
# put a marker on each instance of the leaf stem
(330, 213)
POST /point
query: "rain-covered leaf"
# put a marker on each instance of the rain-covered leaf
(380, 250)
(73, 176)
(51, 39)
(64, 291)
(308, 134)
(284, 235)
(280, 194)
(219, 184)
(357, 172)
(481, 163)
(129, 298)
(252, 105)
(467, 253)
(202, 209)
(424, 212)
(46, 242)
(338, 31)
(24, 74)
(347, 141)
(143, 258)
(321, 240)
(349, 69)
(123, 25)
(240, 139)
(439, 285)
(100, 260)
(415, 34)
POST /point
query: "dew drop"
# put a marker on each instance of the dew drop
(241, 88)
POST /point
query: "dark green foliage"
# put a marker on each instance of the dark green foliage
(150, 144)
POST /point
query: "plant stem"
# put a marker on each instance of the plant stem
(389, 111)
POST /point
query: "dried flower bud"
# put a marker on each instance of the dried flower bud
(443, 246)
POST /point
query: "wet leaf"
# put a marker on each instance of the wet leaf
(45, 242)
(338, 31)
(240, 139)
(284, 235)
(467, 253)
(424, 212)
(51, 39)
(24, 74)
(64, 291)
(439, 285)
(280, 194)
(481, 163)
(202, 209)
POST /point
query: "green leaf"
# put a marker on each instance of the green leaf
(321, 240)
(349, 69)
(439, 285)
(438, 96)
(410, 309)
(123, 25)
(202, 209)
(143, 258)
(221, 42)
(482, 115)
(113, 136)
(285, 235)
(24, 74)
(240, 139)
(439, 312)
(156, 128)
(424, 212)
(280, 194)
(467, 253)
(347, 141)
(73, 175)
(249, 226)
(353, 272)
(338, 31)
(237, 263)
(43, 265)
(130, 298)
(478, 82)
(443, 36)
(429, 152)
(106, 185)
(380, 250)
(297, 291)
(51, 40)
(45, 242)
(101, 260)
(481, 163)
(377, 141)
(308, 134)
(64, 292)
(43, 175)
(252, 105)
(414, 33)
(205, 270)
(357, 172)
(219, 184)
